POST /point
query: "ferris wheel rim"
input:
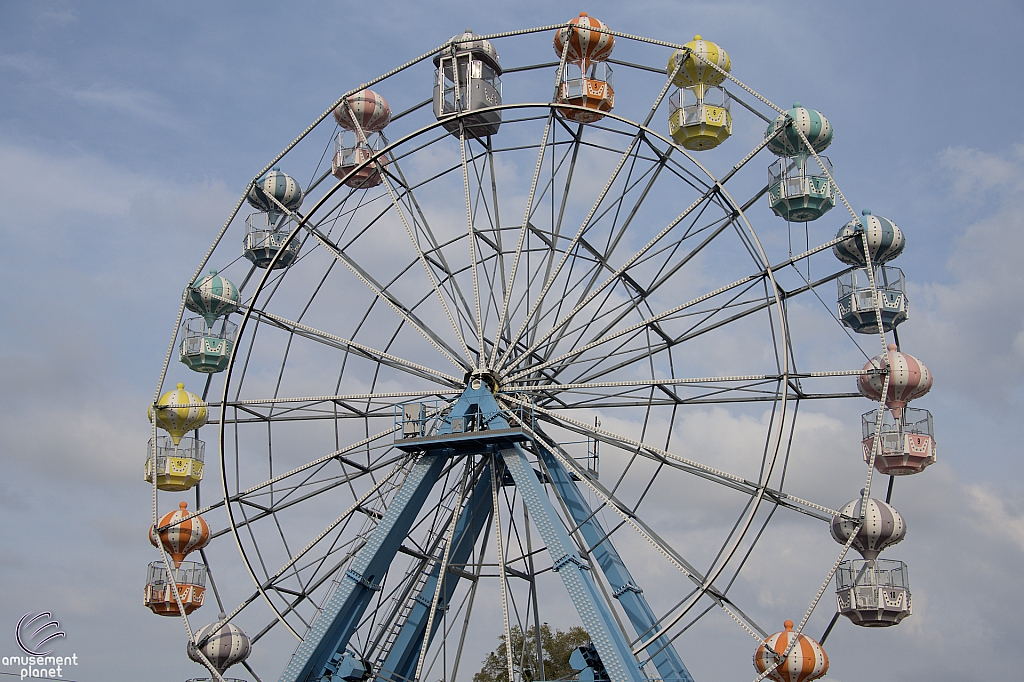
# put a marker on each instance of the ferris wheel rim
(776, 299)
(426, 129)
(319, 119)
(248, 310)
(552, 109)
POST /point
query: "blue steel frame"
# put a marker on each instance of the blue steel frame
(401, 661)
(334, 625)
(624, 588)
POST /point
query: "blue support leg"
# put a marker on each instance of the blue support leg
(624, 588)
(401, 661)
(595, 614)
(337, 620)
(487, 428)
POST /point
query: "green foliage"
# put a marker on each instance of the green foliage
(556, 646)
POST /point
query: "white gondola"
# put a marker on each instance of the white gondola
(907, 443)
(266, 235)
(857, 301)
(467, 81)
(873, 593)
(207, 348)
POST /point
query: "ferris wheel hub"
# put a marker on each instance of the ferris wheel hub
(482, 377)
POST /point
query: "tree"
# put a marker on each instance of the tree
(556, 646)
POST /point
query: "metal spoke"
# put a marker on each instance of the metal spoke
(395, 305)
(522, 237)
(704, 583)
(448, 274)
(503, 579)
(568, 250)
(471, 236)
(412, 238)
(684, 464)
(668, 313)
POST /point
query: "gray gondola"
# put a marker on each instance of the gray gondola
(468, 79)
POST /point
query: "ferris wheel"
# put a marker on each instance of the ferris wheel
(475, 375)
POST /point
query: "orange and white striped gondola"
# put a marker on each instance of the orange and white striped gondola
(585, 44)
(181, 537)
(806, 660)
(586, 47)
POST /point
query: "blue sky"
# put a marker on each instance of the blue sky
(128, 133)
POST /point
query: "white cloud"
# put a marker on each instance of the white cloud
(58, 12)
(135, 102)
(984, 293)
(139, 103)
(974, 171)
(94, 247)
(999, 519)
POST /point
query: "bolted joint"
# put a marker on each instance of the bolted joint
(443, 608)
(628, 587)
(480, 378)
(360, 580)
(567, 559)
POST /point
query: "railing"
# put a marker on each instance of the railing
(188, 448)
(195, 330)
(188, 573)
(574, 89)
(886, 573)
(267, 233)
(419, 418)
(350, 157)
(430, 418)
(596, 71)
(352, 151)
(794, 173)
(912, 421)
(593, 92)
(693, 106)
(591, 460)
(259, 239)
(889, 281)
(873, 593)
(268, 222)
(857, 302)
